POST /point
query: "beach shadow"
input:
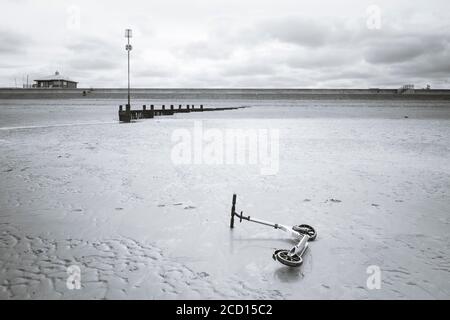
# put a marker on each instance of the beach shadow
(283, 273)
(289, 242)
(288, 274)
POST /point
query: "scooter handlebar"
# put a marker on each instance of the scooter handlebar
(233, 211)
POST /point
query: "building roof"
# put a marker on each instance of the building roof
(55, 76)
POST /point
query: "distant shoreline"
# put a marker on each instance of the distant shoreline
(225, 94)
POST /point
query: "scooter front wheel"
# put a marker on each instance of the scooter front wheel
(285, 258)
(306, 229)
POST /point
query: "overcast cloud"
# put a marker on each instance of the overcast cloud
(227, 43)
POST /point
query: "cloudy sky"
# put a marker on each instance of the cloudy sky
(229, 43)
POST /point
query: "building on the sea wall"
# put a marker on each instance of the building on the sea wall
(55, 81)
(407, 88)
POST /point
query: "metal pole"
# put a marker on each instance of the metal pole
(129, 73)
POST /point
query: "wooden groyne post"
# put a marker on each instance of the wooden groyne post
(147, 114)
(125, 116)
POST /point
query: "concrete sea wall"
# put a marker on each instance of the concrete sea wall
(247, 94)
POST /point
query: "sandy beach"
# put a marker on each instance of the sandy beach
(79, 188)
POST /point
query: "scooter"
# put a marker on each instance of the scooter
(303, 232)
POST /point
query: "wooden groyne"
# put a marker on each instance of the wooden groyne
(126, 115)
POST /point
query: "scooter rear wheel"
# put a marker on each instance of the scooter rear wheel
(285, 258)
(306, 229)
